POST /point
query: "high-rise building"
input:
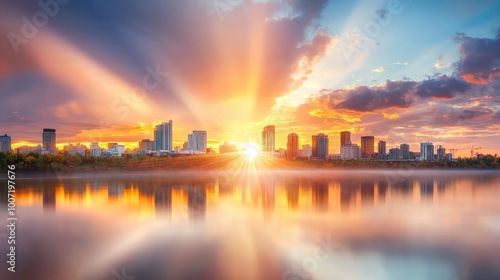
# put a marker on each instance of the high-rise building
(314, 152)
(268, 140)
(345, 138)
(349, 151)
(395, 153)
(292, 146)
(405, 151)
(306, 151)
(426, 151)
(197, 142)
(95, 150)
(227, 148)
(49, 139)
(382, 150)
(112, 145)
(441, 153)
(164, 136)
(75, 149)
(320, 146)
(147, 145)
(5, 143)
(367, 146)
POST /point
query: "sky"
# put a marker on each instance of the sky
(109, 71)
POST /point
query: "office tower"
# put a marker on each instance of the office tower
(197, 142)
(5, 143)
(147, 145)
(382, 150)
(405, 151)
(314, 153)
(268, 140)
(227, 148)
(95, 150)
(426, 151)
(163, 136)
(320, 146)
(49, 139)
(112, 145)
(441, 153)
(395, 153)
(367, 146)
(345, 138)
(306, 151)
(292, 146)
(349, 151)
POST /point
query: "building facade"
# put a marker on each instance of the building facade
(349, 151)
(292, 146)
(426, 151)
(5, 143)
(405, 151)
(147, 145)
(382, 150)
(49, 140)
(367, 146)
(345, 138)
(197, 142)
(268, 140)
(228, 148)
(164, 137)
(322, 144)
(441, 153)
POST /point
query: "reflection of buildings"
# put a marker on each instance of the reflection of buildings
(319, 191)
(268, 196)
(368, 192)
(427, 187)
(49, 198)
(163, 200)
(347, 194)
(197, 203)
(382, 189)
(292, 194)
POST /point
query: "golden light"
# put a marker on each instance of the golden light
(250, 151)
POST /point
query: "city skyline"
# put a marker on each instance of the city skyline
(438, 85)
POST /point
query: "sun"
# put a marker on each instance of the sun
(250, 151)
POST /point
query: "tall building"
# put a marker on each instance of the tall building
(292, 146)
(314, 152)
(49, 139)
(268, 140)
(427, 151)
(147, 145)
(112, 145)
(164, 136)
(395, 153)
(227, 148)
(345, 138)
(95, 150)
(320, 146)
(349, 151)
(5, 143)
(367, 146)
(405, 151)
(382, 150)
(441, 153)
(197, 142)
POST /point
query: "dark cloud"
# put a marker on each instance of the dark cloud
(390, 94)
(480, 58)
(443, 87)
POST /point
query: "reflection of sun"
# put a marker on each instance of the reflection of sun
(250, 151)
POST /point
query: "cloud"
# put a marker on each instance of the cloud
(441, 65)
(479, 58)
(379, 70)
(441, 87)
(387, 95)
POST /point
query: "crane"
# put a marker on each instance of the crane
(472, 151)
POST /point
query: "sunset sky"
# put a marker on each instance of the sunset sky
(403, 71)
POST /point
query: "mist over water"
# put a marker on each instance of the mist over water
(257, 225)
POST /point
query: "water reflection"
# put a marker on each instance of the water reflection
(262, 225)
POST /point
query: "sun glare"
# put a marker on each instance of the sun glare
(251, 151)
